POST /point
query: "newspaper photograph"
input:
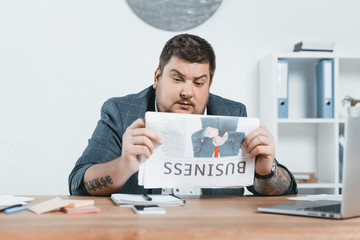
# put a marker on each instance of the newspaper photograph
(198, 151)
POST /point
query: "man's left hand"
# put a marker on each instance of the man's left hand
(260, 144)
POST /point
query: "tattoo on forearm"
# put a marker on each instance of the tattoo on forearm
(276, 185)
(95, 184)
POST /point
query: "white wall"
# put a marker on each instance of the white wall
(60, 60)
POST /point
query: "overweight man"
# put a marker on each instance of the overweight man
(182, 83)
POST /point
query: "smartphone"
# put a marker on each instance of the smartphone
(149, 209)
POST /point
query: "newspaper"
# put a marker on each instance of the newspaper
(198, 151)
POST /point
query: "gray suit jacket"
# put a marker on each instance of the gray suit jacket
(116, 115)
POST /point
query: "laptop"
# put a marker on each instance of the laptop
(349, 206)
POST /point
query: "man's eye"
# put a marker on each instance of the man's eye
(176, 79)
(199, 84)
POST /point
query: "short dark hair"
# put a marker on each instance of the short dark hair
(190, 48)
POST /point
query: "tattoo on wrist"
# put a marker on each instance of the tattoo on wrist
(276, 185)
(95, 184)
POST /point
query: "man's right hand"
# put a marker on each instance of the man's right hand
(137, 140)
(109, 177)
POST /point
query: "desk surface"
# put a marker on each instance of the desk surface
(204, 218)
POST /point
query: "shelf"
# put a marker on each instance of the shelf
(304, 55)
(305, 143)
(342, 120)
(310, 120)
(307, 120)
(317, 185)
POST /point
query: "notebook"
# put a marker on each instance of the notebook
(151, 199)
(350, 204)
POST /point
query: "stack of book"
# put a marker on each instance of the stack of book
(314, 46)
(80, 206)
(305, 177)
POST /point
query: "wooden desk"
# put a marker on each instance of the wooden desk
(205, 218)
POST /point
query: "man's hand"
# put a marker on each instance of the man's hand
(109, 177)
(137, 140)
(218, 141)
(260, 144)
(211, 132)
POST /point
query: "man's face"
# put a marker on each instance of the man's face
(182, 87)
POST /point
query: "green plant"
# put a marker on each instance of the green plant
(351, 100)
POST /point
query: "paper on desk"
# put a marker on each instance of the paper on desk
(57, 203)
(186, 157)
(49, 205)
(9, 200)
(317, 197)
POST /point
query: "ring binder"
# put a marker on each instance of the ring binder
(325, 85)
(283, 89)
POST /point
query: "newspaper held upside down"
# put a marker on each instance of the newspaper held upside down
(198, 151)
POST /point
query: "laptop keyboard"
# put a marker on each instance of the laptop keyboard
(329, 208)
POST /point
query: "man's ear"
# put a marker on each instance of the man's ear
(157, 75)
(211, 81)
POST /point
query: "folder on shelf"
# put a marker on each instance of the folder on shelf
(325, 85)
(341, 154)
(282, 88)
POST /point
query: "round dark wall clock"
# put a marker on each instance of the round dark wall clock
(172, 15)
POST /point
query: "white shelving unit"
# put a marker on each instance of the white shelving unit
(306, 143)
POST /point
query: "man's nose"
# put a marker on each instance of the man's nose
(187, 89)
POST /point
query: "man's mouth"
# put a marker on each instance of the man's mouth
(185, 105)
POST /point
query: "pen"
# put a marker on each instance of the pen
(184, 201)
(16, 205)
(146, 197)
(17, 209)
